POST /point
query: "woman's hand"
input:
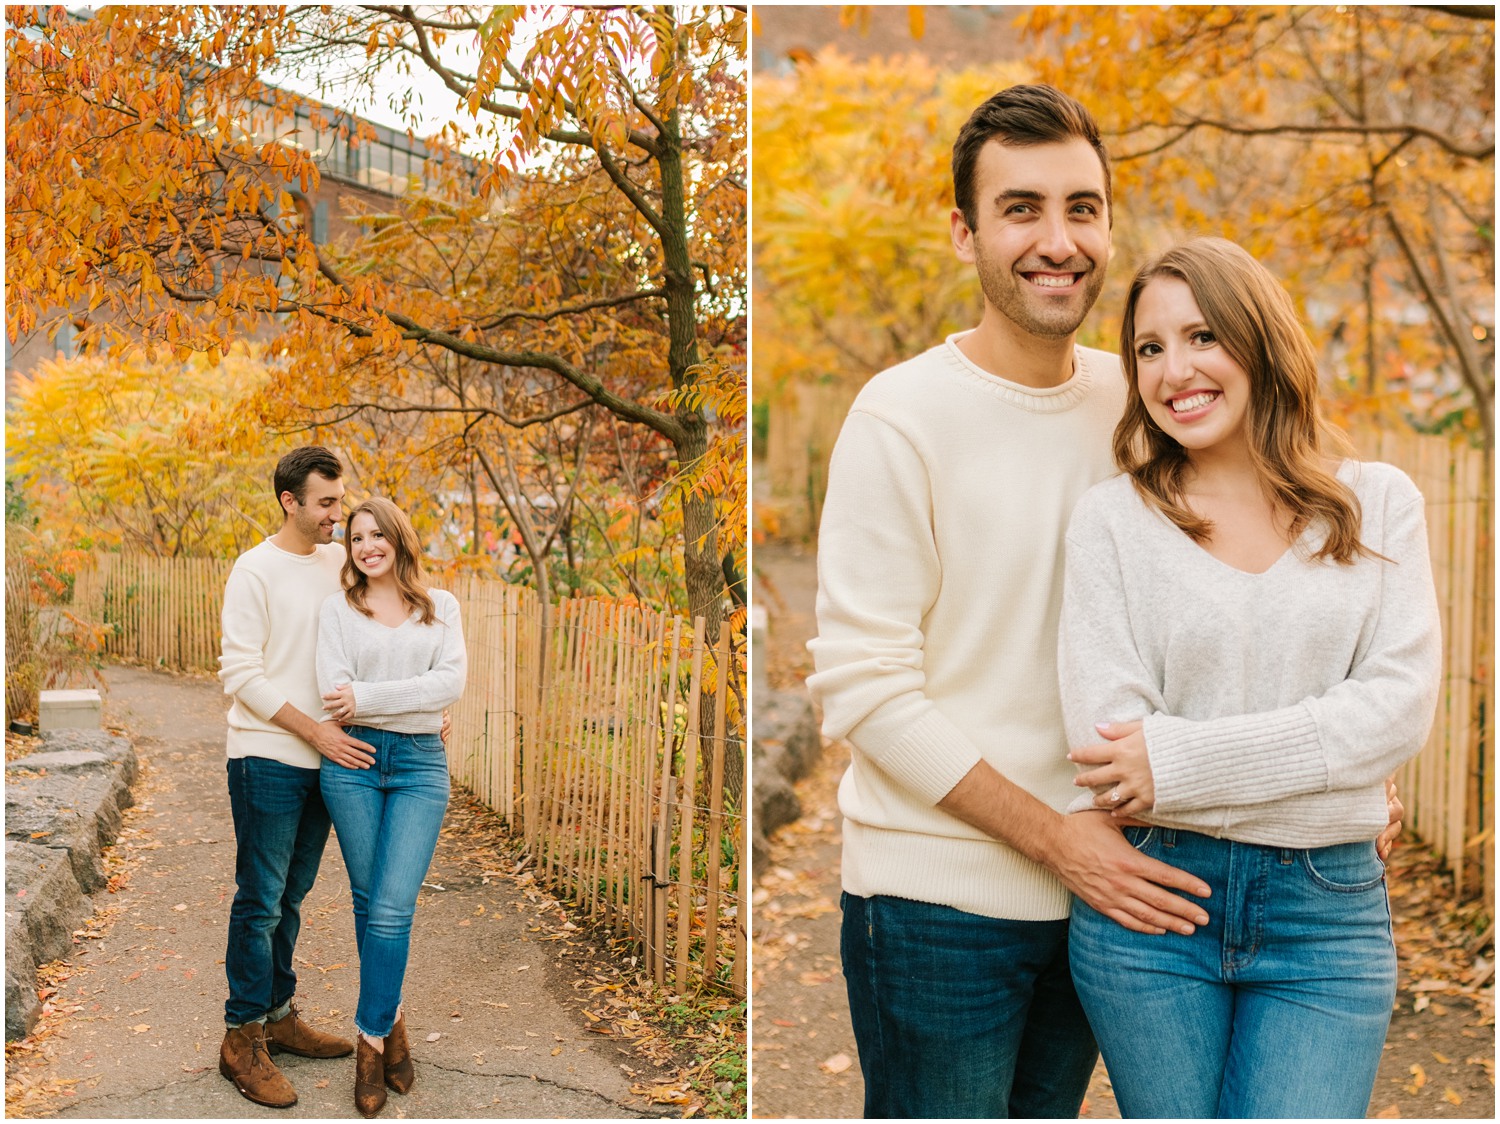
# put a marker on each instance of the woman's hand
(1118, 770)
(339, 703)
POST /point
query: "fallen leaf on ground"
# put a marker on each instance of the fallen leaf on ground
(837, 1064)
(662, 1094)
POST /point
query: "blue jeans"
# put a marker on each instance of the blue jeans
(1278, 1007)
(387, 819)
(280, 828)
(958, 1015)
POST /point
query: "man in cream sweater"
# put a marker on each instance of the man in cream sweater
(940, 561)
(276, 742)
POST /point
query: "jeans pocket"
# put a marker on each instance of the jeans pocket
(433, 743)
(1141, 838)
(1346, 868)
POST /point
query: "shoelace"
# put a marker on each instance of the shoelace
(258, 1045)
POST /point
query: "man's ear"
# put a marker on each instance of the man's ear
(288, 502)
(963, 237)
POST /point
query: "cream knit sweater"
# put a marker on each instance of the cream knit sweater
(940, 566)
(270, 640)
(1274, 704)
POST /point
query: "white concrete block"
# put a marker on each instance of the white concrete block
(71, 710)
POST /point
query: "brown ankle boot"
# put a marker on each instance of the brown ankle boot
(369, 1079)
(291, 1034)
(400, 1074)
(245, 1060)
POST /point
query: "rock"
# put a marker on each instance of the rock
(786, 718)
(785, 749)
(112, 747)
(77, 814)
(62, 808)
(43, 907)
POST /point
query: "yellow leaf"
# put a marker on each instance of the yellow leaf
(1451, 1097)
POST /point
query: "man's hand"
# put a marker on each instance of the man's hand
(1119, 770)
(1096, 862)
(1394, 808)
(329, 739)
(1085, 850)
(447, 727)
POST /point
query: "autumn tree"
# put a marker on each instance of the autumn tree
(1350, 147)
(855, 267)
(145, 183)
(115, 455)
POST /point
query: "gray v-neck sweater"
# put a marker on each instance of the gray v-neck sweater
(403, 677)
(1274, 704)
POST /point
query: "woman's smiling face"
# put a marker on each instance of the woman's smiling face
(1192, 388)
(369, 548)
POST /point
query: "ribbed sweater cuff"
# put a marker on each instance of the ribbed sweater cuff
(928, 758)
(262, 699)
(394, 697)
(1244, 759)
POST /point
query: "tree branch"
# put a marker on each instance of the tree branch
(1446, 143)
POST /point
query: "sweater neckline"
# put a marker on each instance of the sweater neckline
(304, 559)
(1039, 400)
(1299, 549)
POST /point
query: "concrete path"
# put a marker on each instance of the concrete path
(144, 1039)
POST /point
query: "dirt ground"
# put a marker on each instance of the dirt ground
(1439, 1055)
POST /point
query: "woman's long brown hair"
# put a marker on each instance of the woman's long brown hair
(1254, 320)
(402, 536)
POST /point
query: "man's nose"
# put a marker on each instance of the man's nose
(1056, 242)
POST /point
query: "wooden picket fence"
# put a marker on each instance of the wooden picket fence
(592, 746)
(1448, 789)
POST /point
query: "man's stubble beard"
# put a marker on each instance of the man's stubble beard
(1002, 289)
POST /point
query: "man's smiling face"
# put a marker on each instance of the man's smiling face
(1043, 239)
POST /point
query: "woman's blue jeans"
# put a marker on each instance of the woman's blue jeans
(387, 819)
(1278, 1007)
(962, 1016)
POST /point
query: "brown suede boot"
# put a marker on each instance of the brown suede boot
(369, 1079)
(400, 1074)
(291, 1034)
(245, 1060)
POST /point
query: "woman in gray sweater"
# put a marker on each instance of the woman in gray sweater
(1249, 646)
(390, 658)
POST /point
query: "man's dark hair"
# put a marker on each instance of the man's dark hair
(1021, 116)
(293, 470)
